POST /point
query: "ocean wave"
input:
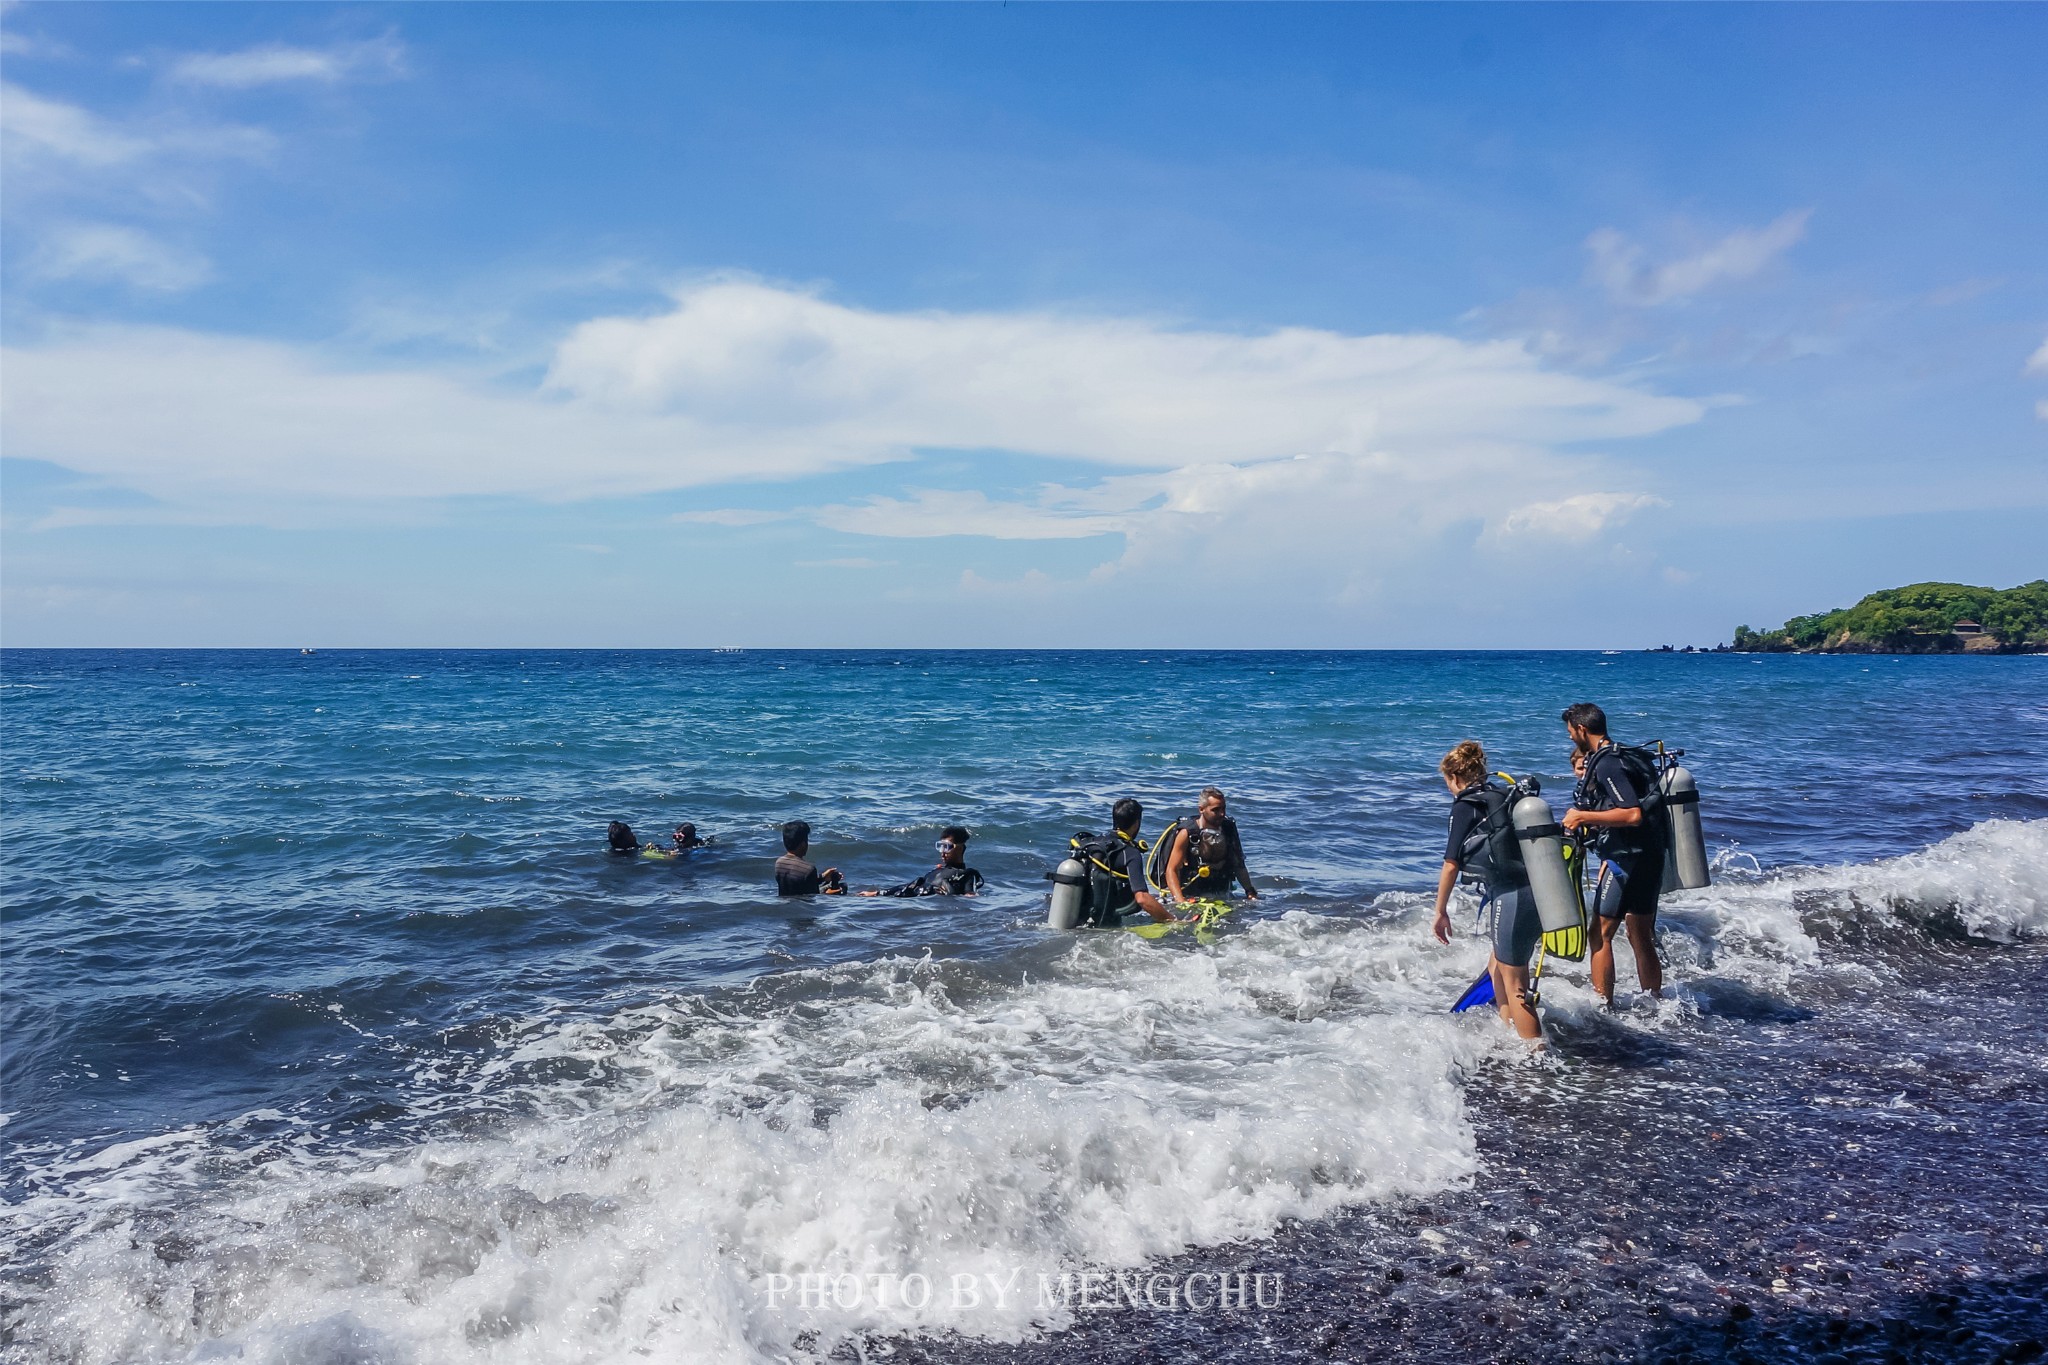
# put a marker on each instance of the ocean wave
(602, 1186)
(898, 1119)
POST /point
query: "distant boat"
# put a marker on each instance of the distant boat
(308, 651)
(729, 649)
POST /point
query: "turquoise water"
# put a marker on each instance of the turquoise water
(277, 923)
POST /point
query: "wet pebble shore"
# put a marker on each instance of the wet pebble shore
(1865, 1180)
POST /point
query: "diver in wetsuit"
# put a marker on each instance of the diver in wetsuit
(1207, 855)
(1608, 806)
(952, 876)
(796, 874)
(1482, 846)
(619, 839)
(681, 842)
(1125, 885)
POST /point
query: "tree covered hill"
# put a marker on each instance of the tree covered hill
(1920, 619)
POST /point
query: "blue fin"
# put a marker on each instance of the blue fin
(1478, 993)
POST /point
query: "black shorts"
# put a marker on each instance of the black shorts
(1629, 885)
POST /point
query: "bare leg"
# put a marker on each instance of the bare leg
(1642, 936)
(1510, 984)
(1602, 932)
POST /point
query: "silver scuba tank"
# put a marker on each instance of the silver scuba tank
(1685, 857)
(1069, 886)
(1550, 877)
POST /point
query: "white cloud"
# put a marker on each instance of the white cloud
(730, 516)
(930, 512)
(1577, 518)
(742, 381)
(1618, 263)
(276, 64)
(1118, 391)
(46, 143)
(2041, 409)
(32, 126)
(2037, 363)
(107, 252)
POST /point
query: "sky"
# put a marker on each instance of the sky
(1148, 326)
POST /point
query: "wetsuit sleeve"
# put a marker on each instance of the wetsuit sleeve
(1464, 816)
(1134, 867)
(913, 887)
(1611, 783)
(975, 882)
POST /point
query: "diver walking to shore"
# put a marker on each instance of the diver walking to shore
(1201, 859)
(1482, 846)
(1609, 805)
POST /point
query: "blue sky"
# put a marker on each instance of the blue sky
(1016, 325)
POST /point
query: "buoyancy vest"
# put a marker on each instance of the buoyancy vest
(1491, 853)
(1110, 892)
(943, 881)
(1645, 775)
(1212, 854)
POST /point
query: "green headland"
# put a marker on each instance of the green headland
(1923, 618)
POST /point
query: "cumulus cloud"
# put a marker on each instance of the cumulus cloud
(1618, 264)
(109, 253)
(2037, 363)
(1577, 518)
(864, 384)
(277, 64)
(742, 381)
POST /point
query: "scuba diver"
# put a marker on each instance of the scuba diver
(1608, 807)
(681, 842)
(1482, 846)
(619, 838)
(795, 874)
(952, 876)
(1104, 876)
(1206, 855)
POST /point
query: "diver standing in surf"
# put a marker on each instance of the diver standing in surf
(1608, 804)
(1482, 845)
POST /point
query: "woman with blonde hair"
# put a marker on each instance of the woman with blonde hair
(1482, 847)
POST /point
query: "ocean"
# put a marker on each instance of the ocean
(332, 1033)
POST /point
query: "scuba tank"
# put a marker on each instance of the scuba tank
(1069, 892)
(1550, 874)
(1685, 851)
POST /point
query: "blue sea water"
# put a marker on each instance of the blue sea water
(325, 951)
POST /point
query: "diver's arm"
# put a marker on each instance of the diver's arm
(1445, 882)
(1624, 816)
(1151, 906)
(1173, 860)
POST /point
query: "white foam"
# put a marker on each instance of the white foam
(1134, 1102)
(1125, 1102)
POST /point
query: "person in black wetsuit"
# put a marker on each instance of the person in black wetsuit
(1127, 864)
(1207, 856)
(681, 842)
(796, 874)
(1481, 846)
(1608, 807)
(619, 840)
(952, 877)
